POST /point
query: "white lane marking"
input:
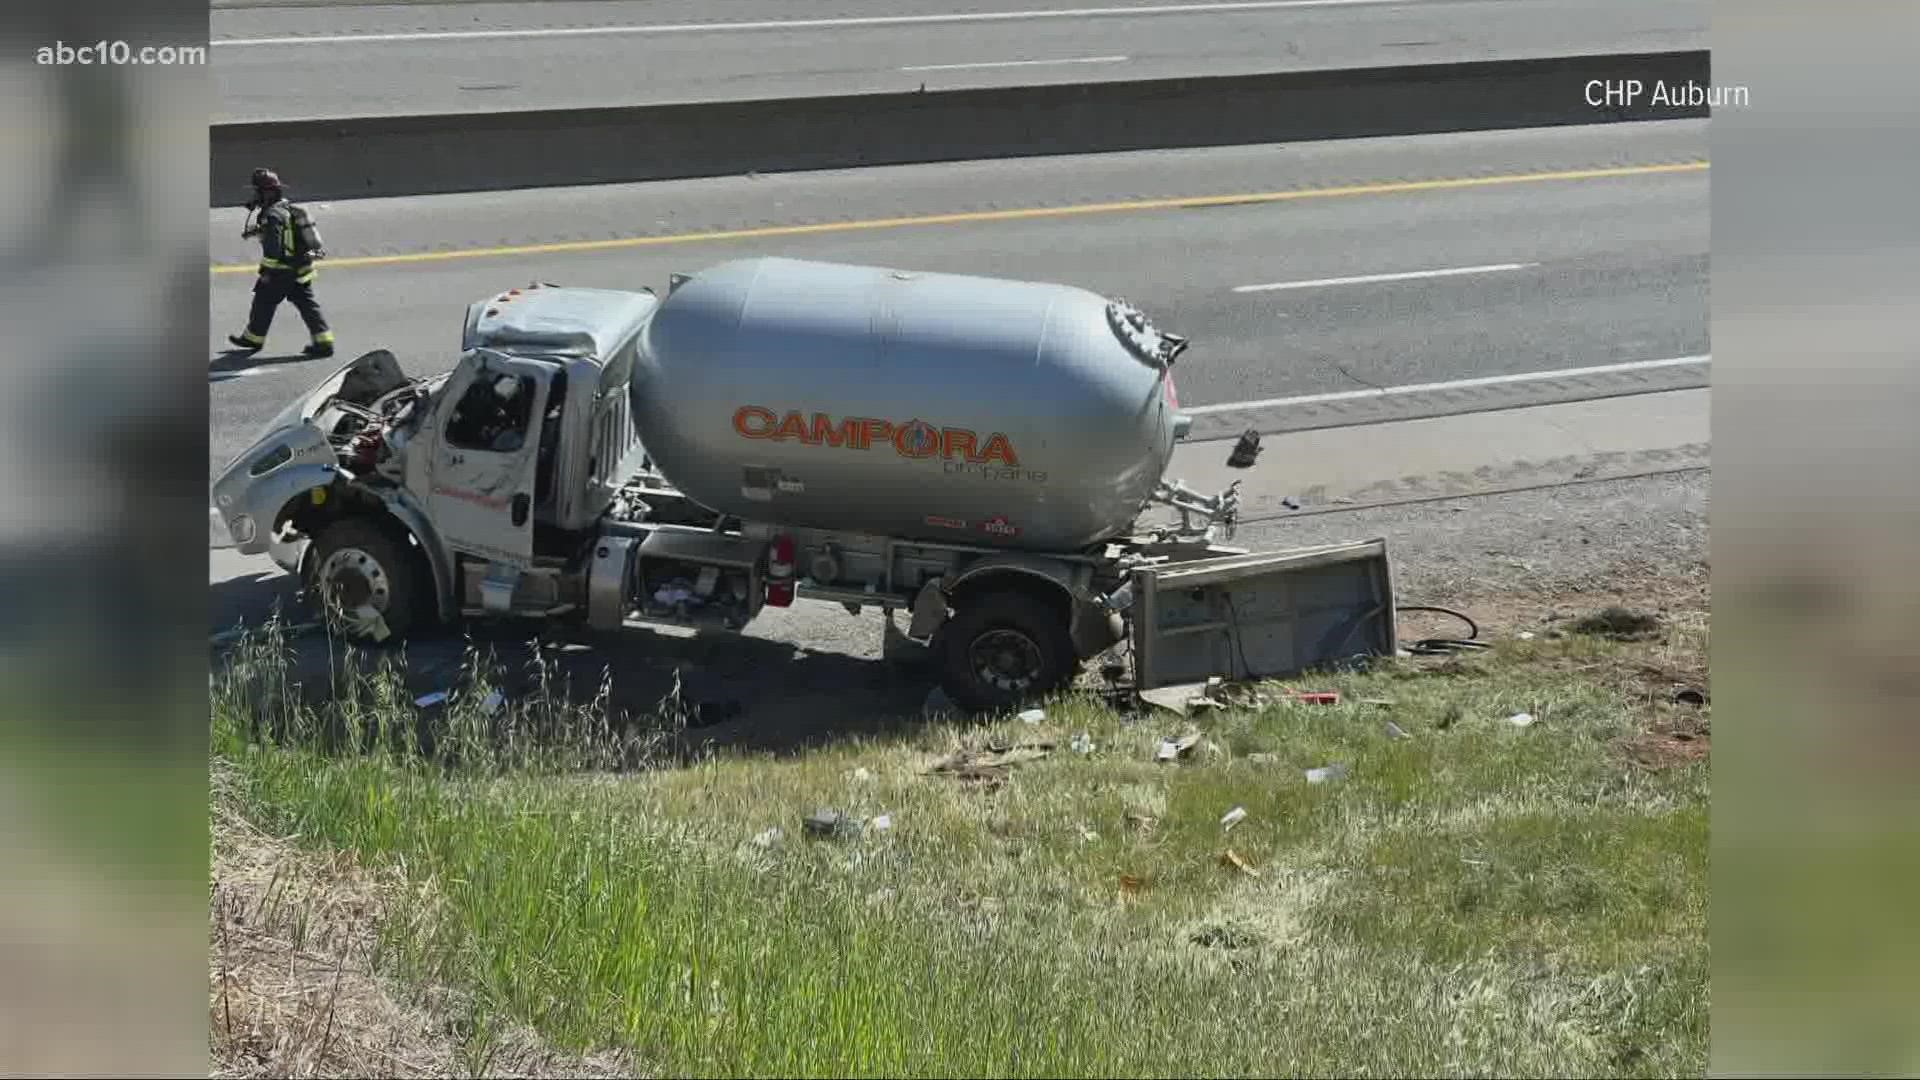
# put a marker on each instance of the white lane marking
(1457, 384)
(1369, 279)
(803, 24)
(1017, 63)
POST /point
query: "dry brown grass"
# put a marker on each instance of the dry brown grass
(292, 991)
(1648, 671)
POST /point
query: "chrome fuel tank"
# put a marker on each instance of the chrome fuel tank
(929, 406)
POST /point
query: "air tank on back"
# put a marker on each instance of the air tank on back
(928, 406)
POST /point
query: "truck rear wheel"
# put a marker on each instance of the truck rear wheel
(1003, 648)
(356, 566)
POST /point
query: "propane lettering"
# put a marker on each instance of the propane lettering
(913, 439)
(993, 472)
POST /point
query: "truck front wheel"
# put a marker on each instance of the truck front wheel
(358, 569)
(1003, 648)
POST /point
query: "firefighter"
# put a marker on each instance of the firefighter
(289, 244)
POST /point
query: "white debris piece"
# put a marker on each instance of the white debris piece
(1233, 817)
(882, 823)
(428, 701)
(1522, 720)
(1326, 773)
(1082, 744)
(1033, 716)
(493, 702)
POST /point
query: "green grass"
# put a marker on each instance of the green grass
(1475, 899)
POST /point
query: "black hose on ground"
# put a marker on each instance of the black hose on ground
(1443, 646)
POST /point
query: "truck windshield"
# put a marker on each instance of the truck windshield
(493, 415)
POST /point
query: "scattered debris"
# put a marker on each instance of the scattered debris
(1088, 835)
(1130, 885)
(1690, 696)
(770, 839)
(991, 767)
(493, 703)
(1140, 822)
(428, 701)
(1290, 503)
(1232, 860)
(1263, 758)
(1082, 744)
(1245, 450)
(1394, 731)
(1522, 720)
(1326, 773)
(832, 823)
(1378, 702)
(861, 775)
(1233, 817)
(1172, 749)
(1178, 699)
(1526, 635)
(1033, 716)
(1619, 624)
(1315, 697)
(882, 823)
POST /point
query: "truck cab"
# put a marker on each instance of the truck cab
(482, 488)
(533, 434)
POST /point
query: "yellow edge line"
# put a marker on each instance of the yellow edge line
(972, 216)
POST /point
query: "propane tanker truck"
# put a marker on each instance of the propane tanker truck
(980, 453)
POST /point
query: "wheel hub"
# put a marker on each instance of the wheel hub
(353, 579)
(1007, 660)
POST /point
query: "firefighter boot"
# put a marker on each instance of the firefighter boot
(246, 342)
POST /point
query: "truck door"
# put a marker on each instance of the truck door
(482, 480)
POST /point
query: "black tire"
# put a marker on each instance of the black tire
(372, 567)
(1004, 648)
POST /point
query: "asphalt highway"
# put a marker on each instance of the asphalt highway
(275, 61)
(1296, 270)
